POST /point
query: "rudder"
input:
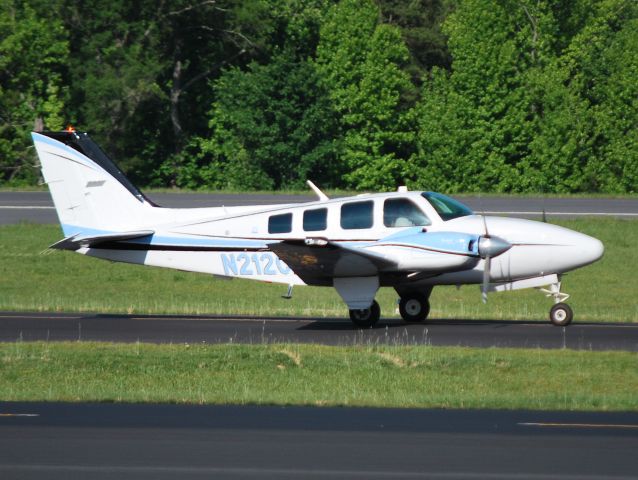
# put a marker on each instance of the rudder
(89, 191)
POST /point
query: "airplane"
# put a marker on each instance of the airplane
(411, 241)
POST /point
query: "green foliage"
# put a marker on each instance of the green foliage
(420, 24)
(473, 95)
(33, 55)
(272, 126)
(527, 107)
(359, 62)
(604, 62)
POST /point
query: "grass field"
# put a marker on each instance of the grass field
(34, 278)
(446, 377)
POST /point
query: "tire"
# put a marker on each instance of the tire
(561, 315)
(367, 317)
(414, 307)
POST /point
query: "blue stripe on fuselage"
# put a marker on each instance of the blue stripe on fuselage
(71, 230)
(450, 242)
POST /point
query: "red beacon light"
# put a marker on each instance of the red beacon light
(70, 128)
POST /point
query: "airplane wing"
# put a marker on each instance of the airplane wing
(410, 252)
(78, 240)
(320, 263)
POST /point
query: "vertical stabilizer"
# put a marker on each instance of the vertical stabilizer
(89, 191)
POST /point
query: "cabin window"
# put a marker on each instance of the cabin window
(315, 220)
(280, 223)
(401, 212)
(356, 215)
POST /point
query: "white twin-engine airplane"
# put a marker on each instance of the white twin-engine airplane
(410, 241)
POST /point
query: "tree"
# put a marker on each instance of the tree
(271, 126)
(420, 24)
(33, 57)
(541, 97)
(475, 124)
(603, 63)
(360, 64)
(140, 72)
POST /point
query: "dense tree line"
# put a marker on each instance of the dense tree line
(451, 95)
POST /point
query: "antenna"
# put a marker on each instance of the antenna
(322, 196)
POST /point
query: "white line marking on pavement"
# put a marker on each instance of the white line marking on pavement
(583, 214)
(24, 207)
(19, 414)
(577, 425)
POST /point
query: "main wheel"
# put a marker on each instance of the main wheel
(367, 317)
(561, 315)
(414, 307)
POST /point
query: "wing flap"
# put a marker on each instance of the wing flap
(319, 264)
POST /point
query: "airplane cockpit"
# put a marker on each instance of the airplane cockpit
(446, 207)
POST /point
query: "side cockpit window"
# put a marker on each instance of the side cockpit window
(280, 223)
(357, 215)
(402, 212)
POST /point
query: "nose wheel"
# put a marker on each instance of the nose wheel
(560, 314)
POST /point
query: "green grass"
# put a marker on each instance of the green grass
(34, 278)
(418, 376)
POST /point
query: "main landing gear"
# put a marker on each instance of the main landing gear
(366, 317)
(560, 314)
(413, 306)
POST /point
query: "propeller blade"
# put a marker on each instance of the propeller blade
(486, 278)
(487, 234)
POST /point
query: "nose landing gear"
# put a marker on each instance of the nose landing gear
(560, 314)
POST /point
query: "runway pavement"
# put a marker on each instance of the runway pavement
(111, 441)
(27, 326)
(37, 207)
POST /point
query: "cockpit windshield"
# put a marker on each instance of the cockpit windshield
(446, 207)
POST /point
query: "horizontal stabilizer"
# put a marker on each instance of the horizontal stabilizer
(78, 240)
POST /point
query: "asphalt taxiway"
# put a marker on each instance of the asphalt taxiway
(25, 326)
(108, 441)
(37, 207)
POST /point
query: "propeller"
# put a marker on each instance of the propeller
(490, 246)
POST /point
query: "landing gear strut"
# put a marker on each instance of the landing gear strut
(560, 314)
(366, 317)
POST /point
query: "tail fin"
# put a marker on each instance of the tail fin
(90, 193)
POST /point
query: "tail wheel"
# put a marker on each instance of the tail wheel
(366, 317)
(414, 307)
(561, 315)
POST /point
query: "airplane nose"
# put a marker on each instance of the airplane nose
(592, 249)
